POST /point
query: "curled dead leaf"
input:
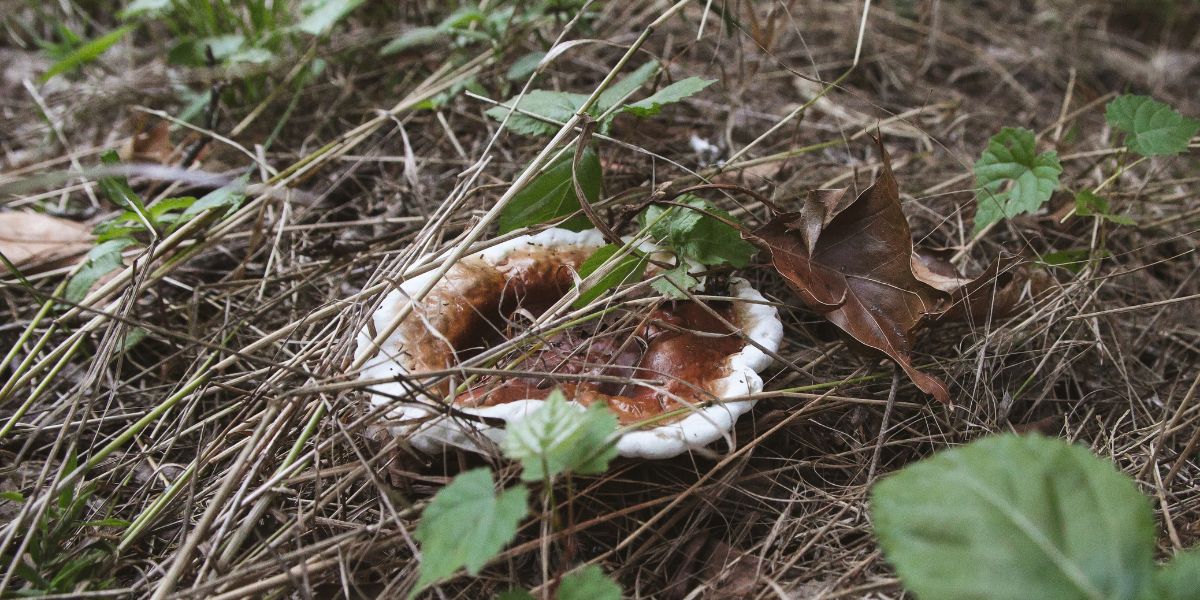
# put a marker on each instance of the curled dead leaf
(851, 262)
(34, 241)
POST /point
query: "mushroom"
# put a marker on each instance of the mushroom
(665, 373)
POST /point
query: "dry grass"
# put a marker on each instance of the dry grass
(249, 471)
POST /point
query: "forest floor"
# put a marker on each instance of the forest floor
(189, 429)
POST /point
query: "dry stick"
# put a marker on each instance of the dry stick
(1191, 445)
(1134, 307)
(183, 556)
(887, 413)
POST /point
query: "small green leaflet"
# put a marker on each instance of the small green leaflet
(588, 583)
(551, 195)
(413, 38)
(559, 437)
(674, 281)
(1012, 178)
(1151, 128)
(628, 269)
(228, 196)
(465, 525)
(671, 94)
(321, 15)
(1015, 517)
(143, 8)
(102, 260)
(694, 235)
(560, 106)
(1088, 204)
(86, 53)
(625, 86)
(117, 188)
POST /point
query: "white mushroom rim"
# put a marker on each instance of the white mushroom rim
(534, 271)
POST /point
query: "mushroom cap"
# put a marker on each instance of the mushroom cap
(413, 348)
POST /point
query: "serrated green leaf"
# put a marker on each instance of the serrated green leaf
(551, 195)
(1088, 204)
(101, 260)
(413, 38)
(556, 106)
(321, 15)
(694, 235)
(628, 269)
(86, 53)
(465, 525)
(524, 66)
(1178, 579)
(671, 94)
(1015, 517)
(588, 583)
(562, 436)
(625, 86)
(674, 281)
(1151, 127)
(1012, 177)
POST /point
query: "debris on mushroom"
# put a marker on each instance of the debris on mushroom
(664, 371)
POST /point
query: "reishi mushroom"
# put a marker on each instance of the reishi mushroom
(688, 350)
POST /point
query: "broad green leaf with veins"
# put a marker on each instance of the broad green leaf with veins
(560, 437)
(1015, 518)
(551, 195)
(697, 236)
(628, 269)
(1151, 127)
(1012, 177)
(465, 525)
(556, 106)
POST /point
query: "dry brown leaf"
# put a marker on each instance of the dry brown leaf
(856, 269)
(149, 143)
(34, 241)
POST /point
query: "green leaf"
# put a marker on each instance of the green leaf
(228, 197)
(551, 195)
(321, 15)
(628, 269)
(461, 18)
(697, 236)
(1015, 517)
(12, 496)
(1151, 127)
(413, 38)
(673, 282)
(1088, 204)
(524, 66)
(671, 94)
(625, 86)
(465, 525)
(556, 106)
(588, 583)
(562, 436)
(117, 188)
(101, 260)
(86, 53)
(1012, 178)
(1178, 579)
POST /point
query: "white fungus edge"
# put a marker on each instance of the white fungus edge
(431, 432)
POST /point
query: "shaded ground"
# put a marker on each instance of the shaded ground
(249, 331)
